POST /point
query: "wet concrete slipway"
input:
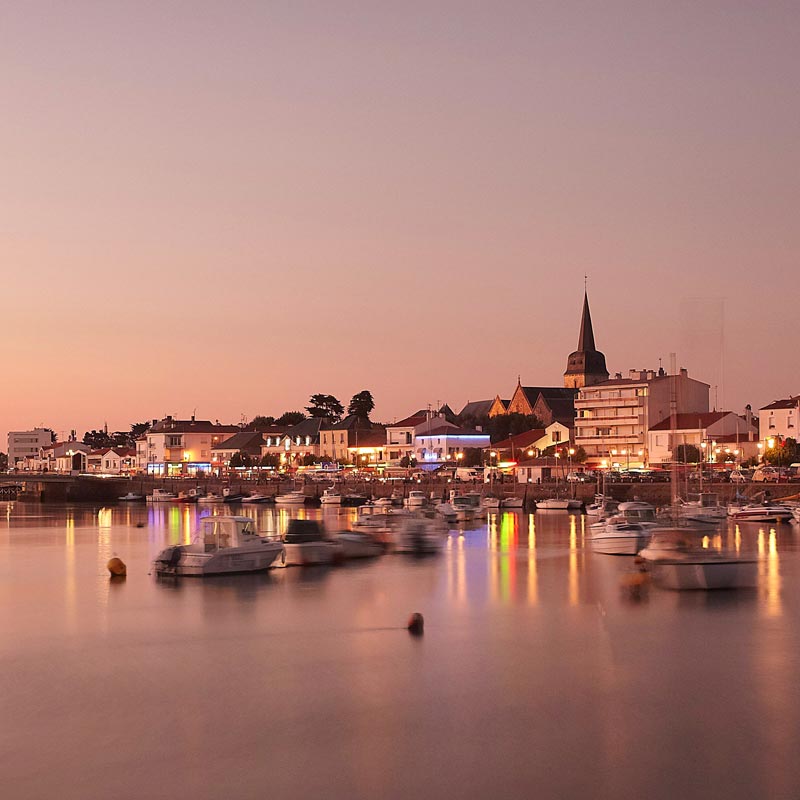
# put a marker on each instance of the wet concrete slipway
(536, 676)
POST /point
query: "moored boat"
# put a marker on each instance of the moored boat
(162, 496)
(552, 504)
(132, 497)
(305, 544)
(357, 544)
(761, 512)
(296, 498)
(222, 545)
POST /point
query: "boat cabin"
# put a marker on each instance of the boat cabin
(304, 530)
(220, 533)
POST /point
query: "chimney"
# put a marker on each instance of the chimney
(650, 374)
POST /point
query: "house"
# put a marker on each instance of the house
(778, 420)
(174, 447)
(112, 461)
(65, 457)
(248, 443)
(540, 470)
(443, 442)
(400, 436)
(336, 439)
(370, 449)
(531, 443)
(613, 417)
(479, 409)
(718, 436)
(294, 444)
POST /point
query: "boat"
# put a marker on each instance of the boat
(188, 497)
(257, 497)
(552, 504)
(466, 507)
(296, 498)
(330, 497)
(358, 544)
(620, 538)
(383, 502)
(635, 511)
(132, 497)
(419, 536)
(416, 499)
(602, 507)
(512, 502)
(447, 511)
(229, 496)
(705, 508)
(490, 502)
(761, 512)
(354, 500)
(305, 543)
(162, 496)
(796, 514)
(677, 560)
(221, 546)
(208, 499)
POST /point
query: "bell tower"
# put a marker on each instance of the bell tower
(587, 365)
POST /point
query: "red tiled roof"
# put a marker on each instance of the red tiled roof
(521, 440)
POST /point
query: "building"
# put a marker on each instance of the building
(614, 416)
(175, 447)
(540, 470)
(587, 365)
(249, 443)
(370, 449)
(336, 439)
(295, 444)
(444, 443)
(718, 436)
(530, 443)
(778, 420)
(25, 445)
(401, 436)
(112, 461)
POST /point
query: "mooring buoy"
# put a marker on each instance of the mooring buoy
(116, 566)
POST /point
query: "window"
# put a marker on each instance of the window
(174, 441)
(556, 436)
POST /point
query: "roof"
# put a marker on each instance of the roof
(789, 402)
(690, 421)
(417, 418)
(244, 440)
(170, 425)
(521, 440)
(308, 427)
(479, 408)
(452, 430)
(353, 422)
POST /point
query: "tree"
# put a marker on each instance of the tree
(325, 406)
(687, 454)
(309, 459)
(138, 429)
(505, 425)
(361, 405)
(290, 418)
(270, 460)
(3, 462)
(473, 457)
(783, 452)
(408, 461)
(260, 423)
(97, 440)
(241, 459)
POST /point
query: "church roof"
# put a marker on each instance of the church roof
(586, 336)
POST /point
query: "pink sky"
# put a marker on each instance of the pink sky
(230, 206)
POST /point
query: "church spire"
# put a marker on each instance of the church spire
(586, 336)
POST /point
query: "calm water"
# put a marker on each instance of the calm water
(536, 676)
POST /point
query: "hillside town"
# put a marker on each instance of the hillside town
(642, 420)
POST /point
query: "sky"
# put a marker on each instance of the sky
(223, 208)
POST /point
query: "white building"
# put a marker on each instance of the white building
(24, 445)
(445, 443)
(614, 416)
(718, 436)
(778, 420)
(401, 435)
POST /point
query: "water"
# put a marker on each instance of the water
(536, 676)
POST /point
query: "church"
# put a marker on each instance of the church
(585, 367)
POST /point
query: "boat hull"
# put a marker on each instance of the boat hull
(239, 560)
(304, 554)
(619, 545)
(355, 546)
(685, 575)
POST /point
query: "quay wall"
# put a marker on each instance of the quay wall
(69, 489)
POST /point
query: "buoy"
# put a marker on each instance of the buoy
(116, 566)
(140, 524)
(416, 624)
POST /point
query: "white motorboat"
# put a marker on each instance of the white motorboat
(416, 499)
(676, 560)
(222, 545)
(762, 512)
(490, 502)
(466, 507)
(447, 511)
(383, 502)
(552, 504)
(296, 498)
(704, 508)
(357, 544)
(634, 511)
(419, 536)
(132, 497)
(330, 497)
(602, 507)
(208, 499)
(257, 497)
(796, 514)
(305, 544)
(162, 496)
(620, 538)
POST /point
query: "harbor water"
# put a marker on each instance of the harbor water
(536, 676)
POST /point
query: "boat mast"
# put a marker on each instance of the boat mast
(673, 424)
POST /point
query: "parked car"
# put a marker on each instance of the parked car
(740, 476)
(766, 474)
(579, 477)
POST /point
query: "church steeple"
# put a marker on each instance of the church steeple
(586, 365)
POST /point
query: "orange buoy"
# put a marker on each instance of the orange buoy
(416, 624)
(116, 566)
